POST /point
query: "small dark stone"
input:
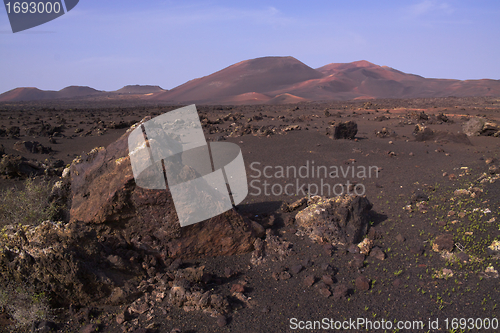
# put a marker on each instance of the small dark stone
(359, 256)
(237, 288)
(221, 321)
(463, 257)
(357, 261)
(417, 249)
(296, 268)
(400, 238)
(325, 292)
(443, 242)
(417, 197)
(327, 279)
(353, 248)
(121, 318)
(325, 267)
(397, 283)
(228, 272)
(377, 253)
(309, 280)
(340, 291)
(328, 248)
(306, 263)
(362, 283)
(374, 233)
(259, 230)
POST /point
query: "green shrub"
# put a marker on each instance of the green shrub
(29, 205)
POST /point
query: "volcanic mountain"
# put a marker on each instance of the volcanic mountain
(278, 80)
(281, 80)
(261, 76)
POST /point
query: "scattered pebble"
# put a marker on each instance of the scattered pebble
(237, 288)
(362, 283)
(340, 291)
(221, 321)
(377, 253)
(325, 292)
(296, 269)
(443, 242)
(327, 279)
(417, 249)
(309, 280)
(397, 283)
(353, 248)
(463, 257)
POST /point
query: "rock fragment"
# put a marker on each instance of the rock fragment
(362, 283)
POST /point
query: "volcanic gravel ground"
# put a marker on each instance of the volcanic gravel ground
(408, 285)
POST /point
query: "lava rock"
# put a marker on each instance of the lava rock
(362, 283)
(309, 280)
(481, 126)
(103, 191)
(377, 253)
(400, 238)
(344, 130)
(328, 280)
(19, 167)
(296, 269)
(33, 147)
(325, 292)
(417, 249)
(443, 242)
(221, 321)
(340, 291)
(338, 220)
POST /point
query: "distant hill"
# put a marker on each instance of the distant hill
(138, 89)
(34, 94)
(280, 80)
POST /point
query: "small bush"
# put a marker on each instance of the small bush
(23, 306)
(29, 205)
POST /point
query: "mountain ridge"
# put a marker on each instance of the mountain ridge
(278, 80)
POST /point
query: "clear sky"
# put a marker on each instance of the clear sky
(109, 43)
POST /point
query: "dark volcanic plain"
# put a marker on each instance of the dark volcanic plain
(413, 196)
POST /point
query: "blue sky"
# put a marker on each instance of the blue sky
(108, 44)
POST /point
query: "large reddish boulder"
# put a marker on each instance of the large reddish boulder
(104, 194)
